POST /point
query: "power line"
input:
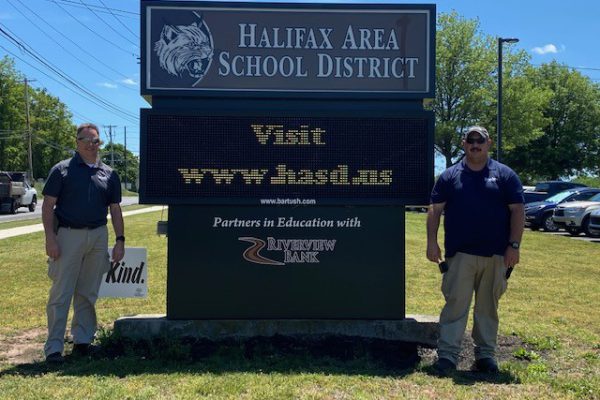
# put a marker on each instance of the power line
(62, 84)
(11, 131)
(54, 145)
(94, 32)
(74, 43)
(587, 68)
(67, 109)
(81, 116)
(61, 46)
(10, 135)
(119, 21)
(107, 24)
(568, 66)
(72, 3)
(13, 137)
(28, 49)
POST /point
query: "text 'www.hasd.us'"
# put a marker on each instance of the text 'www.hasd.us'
(277, 135)
(282, 175)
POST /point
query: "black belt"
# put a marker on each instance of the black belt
(78, 226)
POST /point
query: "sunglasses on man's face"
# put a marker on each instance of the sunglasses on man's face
(479, 140)
(88, 140)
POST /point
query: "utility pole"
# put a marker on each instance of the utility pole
(110, 141)
(499, 112)
(29, 150)
(125, 154)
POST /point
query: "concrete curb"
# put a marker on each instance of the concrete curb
(24, 230)
(421, 329)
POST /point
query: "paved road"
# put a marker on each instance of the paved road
(24, 213)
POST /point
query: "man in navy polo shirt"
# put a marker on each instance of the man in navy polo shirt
(77, 195)
(482, 202)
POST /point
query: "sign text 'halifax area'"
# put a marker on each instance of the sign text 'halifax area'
(299, 48)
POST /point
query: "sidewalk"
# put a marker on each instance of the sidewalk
(24, 230)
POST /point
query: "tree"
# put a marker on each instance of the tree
(12, 118)
(570, 142)
(53, 134)
(466, 73)
(523, 105)
(119, 163)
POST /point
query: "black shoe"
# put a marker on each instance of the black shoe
(84, 350)
(443, 366)
(487, 365)
(55, 358)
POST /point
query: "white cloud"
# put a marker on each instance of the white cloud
(108, 85)
(549, 48)
(129, 81)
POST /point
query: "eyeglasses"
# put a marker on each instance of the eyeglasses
(479, 140)
(88, 140)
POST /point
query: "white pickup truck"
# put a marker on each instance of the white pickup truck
(15, 192)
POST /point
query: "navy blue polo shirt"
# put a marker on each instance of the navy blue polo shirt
(476, 215)
(83, 192)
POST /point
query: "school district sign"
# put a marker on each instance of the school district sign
(198, 48)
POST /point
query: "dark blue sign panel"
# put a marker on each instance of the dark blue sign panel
(282, 262)
(189, 158)
(201, 48)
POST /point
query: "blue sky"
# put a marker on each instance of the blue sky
(95, 43)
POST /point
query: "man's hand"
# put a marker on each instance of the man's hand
(434, 214)
(118, 251)
(511, 257)
(52, 248)
(434, 253)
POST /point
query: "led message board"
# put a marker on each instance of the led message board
(198, 48)
(190, 158)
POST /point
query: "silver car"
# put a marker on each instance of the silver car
(594, 225)
(575, 216)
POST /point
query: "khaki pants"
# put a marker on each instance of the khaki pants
(467, 274)
(76, 275)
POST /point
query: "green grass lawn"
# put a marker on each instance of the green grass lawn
(552, 305)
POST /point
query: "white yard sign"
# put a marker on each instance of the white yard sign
(127, 278)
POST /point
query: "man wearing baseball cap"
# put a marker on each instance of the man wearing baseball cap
(482, 203)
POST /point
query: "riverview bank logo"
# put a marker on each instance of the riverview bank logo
(294, 251)
(185, 49)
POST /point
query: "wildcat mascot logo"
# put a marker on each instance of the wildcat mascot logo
(185, 49)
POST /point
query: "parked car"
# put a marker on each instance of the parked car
(539, 214)
(594, 225)
(545, 189)
(15, 192)
(575, 216)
